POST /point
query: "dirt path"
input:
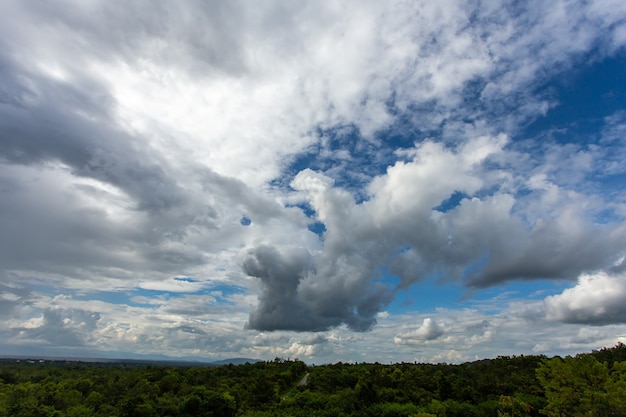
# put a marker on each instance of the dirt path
(304, 380)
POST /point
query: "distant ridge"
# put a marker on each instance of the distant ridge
(235, 361)
(166, 361)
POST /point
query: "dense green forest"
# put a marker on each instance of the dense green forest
(591, 384)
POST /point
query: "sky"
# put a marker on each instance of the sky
(355, 181)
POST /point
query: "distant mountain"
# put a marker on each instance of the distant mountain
(160, 360)
(235, 361)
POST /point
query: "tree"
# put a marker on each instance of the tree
(513, 407)
(582, 386)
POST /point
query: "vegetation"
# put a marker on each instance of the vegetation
(585, 385)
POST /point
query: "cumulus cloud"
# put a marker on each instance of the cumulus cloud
(60, 327)
(597, 299)
(280, 275)
(587, 335)
(286, 302)
(488, 238)
(429, 330)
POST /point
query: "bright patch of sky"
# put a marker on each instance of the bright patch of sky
(382, 181)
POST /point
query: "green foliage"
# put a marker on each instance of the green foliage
(515, 406)
(502, 387)
(582, 386)
(611, 355)
(393, 410)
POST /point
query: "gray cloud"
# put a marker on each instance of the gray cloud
(61, 327)
(480, 328)
(11, 297)
(72, 122)
(315, 339)
(200, 36)
(280, 275)
(293, 299)
(485, 240)
(133, 140)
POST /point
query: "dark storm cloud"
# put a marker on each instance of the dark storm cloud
(284, 305)
(280, 275)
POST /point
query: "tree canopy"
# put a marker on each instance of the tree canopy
(592, 384)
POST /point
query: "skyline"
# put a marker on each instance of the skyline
(329, 181)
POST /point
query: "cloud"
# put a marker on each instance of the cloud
(11, 297)
(280, 275)
(494, 234)
(315, 339)
(480, 328)
(303, 350)
(291, 299)
(290, 345)
(597, 299)
(429, 330)
(135, 140)
(60, 327)
(587, 335)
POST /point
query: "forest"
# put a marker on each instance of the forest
(591, 384)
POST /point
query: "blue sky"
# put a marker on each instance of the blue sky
(332, 181)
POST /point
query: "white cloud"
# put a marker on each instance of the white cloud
(596, 299)
(429, 330)
(491, 237)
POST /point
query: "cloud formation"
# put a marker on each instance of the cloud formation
(491, 236)
(428, 330)
(596, 299)
(172, 173)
